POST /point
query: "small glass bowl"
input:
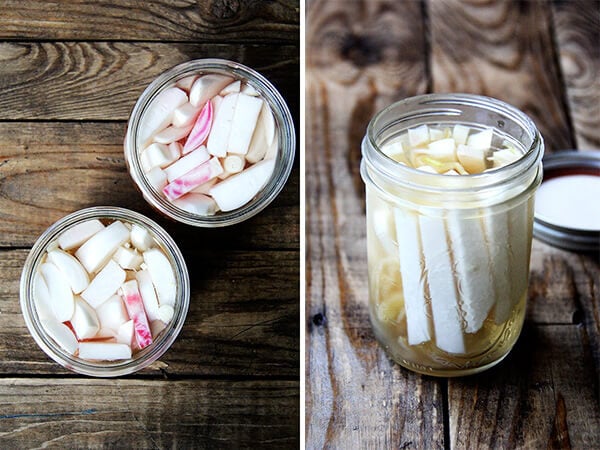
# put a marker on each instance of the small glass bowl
(143, 357)
(285, 134)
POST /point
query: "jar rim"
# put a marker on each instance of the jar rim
(285, 133)
(142, 358)
(374, 160)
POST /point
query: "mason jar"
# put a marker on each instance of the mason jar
(141, 358)
(448, 256)
(285, 136)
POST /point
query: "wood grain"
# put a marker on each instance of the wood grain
(361, 56)
(242, 21)
(577, 31)
(50, 169)
(242, 319)
(502, 49)
(102, 80)
(88, 413)
(541, 396)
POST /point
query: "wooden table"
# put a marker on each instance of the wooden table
(541, 56)
(70, 73)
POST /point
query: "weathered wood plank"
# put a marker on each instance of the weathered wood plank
(577, 31)
(50, 169)
(242, 320)
(91, 413)
(502, 49)
(544, 395)
(166, 20)
(100, 80)
(361, 56)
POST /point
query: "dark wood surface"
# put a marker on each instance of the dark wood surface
(541, 56)
(70, 73)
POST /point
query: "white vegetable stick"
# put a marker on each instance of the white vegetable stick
(199, 204)
(442, 150)
(472, 159)
(473, 268)
(141, 238)
(231, 88)
(233, 164)
(71, 268)
(104, 285)
(160, 113)
(185, 115)
(216, 104)
(172, 134)
(497, 237)
(78, 234)
(218, 139)
(102, 351)
(273, 150)
(518, 222)
(409, 253)
(187, 163)
(100, 247)
(263, 136)
(125, 333)
(162, 276)
(239, 189)
(148, 294)
(157, 178)
(384, 227)
(418, 136)
(156, 327)
(112, 313)
(249, 90)
(244, 121)
(206, 87)
(158, 155)
(84, 321)
(447, 320)
(435, 134)
(61, 295)
(481, 140)
(460, 133)
(128, 259)
(41, 298)
(187, 82)
(61, 334)
(165, 313)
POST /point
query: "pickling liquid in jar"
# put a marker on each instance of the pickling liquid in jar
(448, 284)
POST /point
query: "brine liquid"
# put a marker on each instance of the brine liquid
(467, 283)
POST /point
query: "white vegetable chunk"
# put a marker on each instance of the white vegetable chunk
(172, 134)
(71, 268)
(158, 155)
(187, 163)
(148, 294)
(460, 133)
(206, 87)
(78, 234)
(481, 140)
(41, 298)
(418, 136)
(409, 253)
(199, 204)
(141, 238)
(104, 285)
(218, 139)
(112, 313)
(231, 88)
(244, 121)
(473, 268)
(165, 313)
(125, 333)
(472, 159)
(160, 113)
(157, 178)
(447, 321)
(104, 351)
(162, 276)
(100, 247)
(264, 135)
(84, 321)
(239, 189)
(185, 115)
(61, 295)
(128, 258)
(61, 334)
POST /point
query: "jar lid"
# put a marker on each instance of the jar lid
(567, 203)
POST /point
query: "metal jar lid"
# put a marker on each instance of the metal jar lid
(559, 203)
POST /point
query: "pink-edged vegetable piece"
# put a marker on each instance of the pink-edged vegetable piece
(200, 130)
(200, 175)
(135, 309)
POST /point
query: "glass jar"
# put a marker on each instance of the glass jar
(284, 126)
(143, 357)
(448, 256)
